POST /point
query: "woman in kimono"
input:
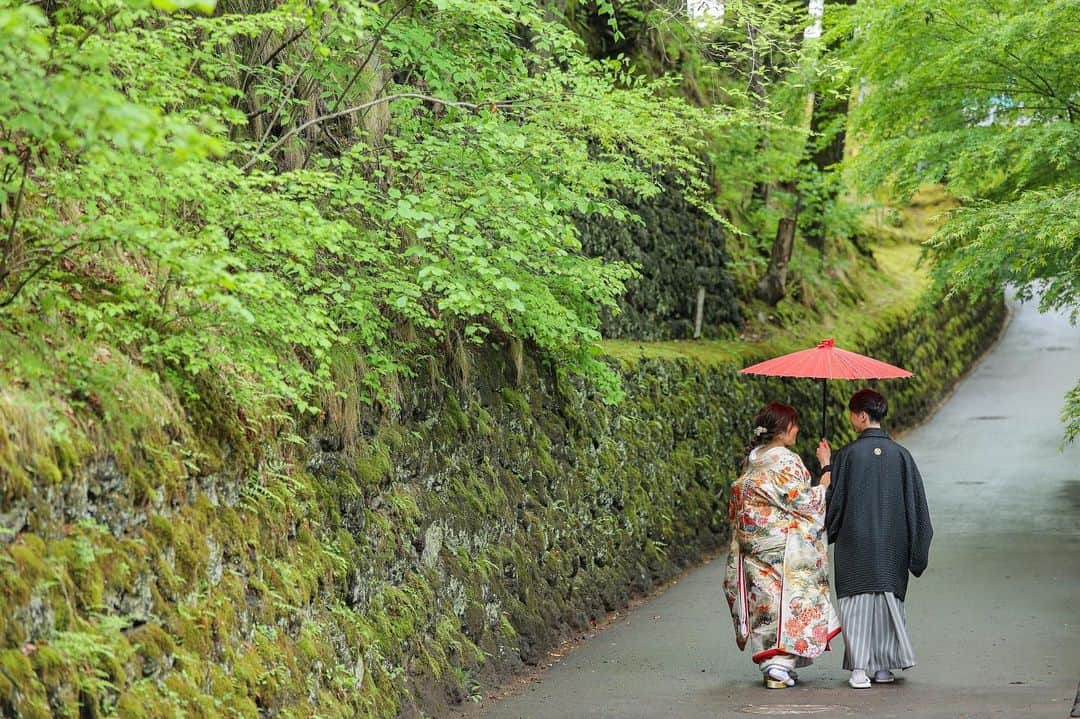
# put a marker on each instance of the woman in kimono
(777, 582)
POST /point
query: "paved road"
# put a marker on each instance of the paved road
(994, 620)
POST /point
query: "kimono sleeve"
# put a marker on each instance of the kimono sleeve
(799, 497)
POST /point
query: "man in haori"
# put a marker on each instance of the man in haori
(878, 519)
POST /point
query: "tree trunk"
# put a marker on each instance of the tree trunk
(824, 157)
(772, 287)
(756, 77)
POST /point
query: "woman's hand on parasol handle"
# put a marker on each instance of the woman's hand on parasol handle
(824, 455)
(824, 452)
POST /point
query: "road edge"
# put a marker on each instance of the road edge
(1010, 313)
(519, 682)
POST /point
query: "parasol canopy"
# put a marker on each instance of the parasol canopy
(825, 362)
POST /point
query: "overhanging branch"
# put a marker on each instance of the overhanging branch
(363, 106)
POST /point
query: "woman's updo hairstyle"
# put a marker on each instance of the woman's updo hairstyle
(771, 421)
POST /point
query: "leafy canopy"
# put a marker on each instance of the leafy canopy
(984, 97)
(240, 194)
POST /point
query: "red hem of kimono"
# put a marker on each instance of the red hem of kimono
(776, 652)
(768, 654)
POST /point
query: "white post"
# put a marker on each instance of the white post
(708, 10)
(817, 11)
(699, 313)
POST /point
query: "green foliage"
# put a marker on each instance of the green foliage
(756, 65)
(1071, 414)
(1032, 242)
(981, 97)
(235, 196)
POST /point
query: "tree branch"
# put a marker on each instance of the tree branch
(93, 28)
(285, 98)
(1038, 82)
(371, 52)
(363, 106)
(37, 271)
(359, 70)
(9, 245)
(248, 77)
(1001, 89)
(280, 48)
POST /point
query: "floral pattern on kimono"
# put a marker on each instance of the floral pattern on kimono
(777, 581)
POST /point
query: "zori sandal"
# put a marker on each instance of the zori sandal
(778, 678)
(859, 680)
(883, 676)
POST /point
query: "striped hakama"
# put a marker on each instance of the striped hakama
(875, 633)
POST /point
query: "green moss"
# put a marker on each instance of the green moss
(454, 416)
(145, 700)
(29, 555)
(373, 466)
(37, 445)
(57, 673)
(21, 694)
(152, 643)
(518, 402)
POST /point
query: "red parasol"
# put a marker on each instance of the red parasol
(827, 361)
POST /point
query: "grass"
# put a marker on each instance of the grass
(914, 222)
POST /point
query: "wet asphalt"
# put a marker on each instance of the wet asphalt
(995, 620)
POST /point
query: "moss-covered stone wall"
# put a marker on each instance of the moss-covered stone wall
(173, 565)
(678, 251)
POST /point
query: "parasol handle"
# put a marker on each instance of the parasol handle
(824, 430)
